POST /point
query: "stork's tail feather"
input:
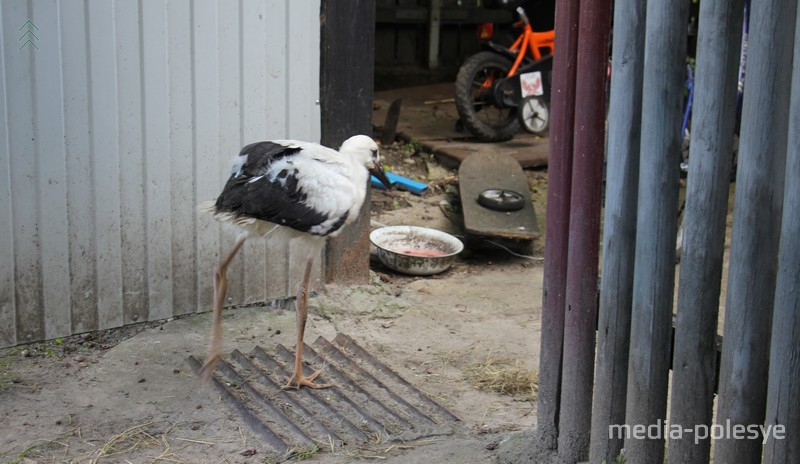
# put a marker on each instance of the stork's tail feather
(207, 207)
(224, 216)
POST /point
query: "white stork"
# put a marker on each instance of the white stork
(290, 190)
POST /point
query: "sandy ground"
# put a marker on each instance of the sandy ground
(129, 395)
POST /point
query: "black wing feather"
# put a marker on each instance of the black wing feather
(279, 201)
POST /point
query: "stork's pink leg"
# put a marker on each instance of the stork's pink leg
(298, 379)
(220, 289)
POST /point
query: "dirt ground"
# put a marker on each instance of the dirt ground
(128, 395)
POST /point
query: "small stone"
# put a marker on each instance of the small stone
(142, 380)
(277, 332)
(176, 371)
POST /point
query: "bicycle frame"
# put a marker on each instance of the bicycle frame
(530, 42)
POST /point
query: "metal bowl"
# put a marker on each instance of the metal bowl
(415, 250)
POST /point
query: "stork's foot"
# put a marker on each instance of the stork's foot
(299, 380)
(207, 371)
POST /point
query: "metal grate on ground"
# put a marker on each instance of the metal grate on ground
(369, 403)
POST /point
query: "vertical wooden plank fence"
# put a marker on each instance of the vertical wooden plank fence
(759, 369)
(783, 397)
(619, 238)
(656, 224)
(120, 121)
(713, 120)
(756, 227)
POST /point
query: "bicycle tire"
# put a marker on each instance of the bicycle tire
(474, 109)
(534, 115)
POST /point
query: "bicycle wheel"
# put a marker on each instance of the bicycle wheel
(474, 100)
(534, 114)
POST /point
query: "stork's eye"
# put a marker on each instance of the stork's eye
(375, 154)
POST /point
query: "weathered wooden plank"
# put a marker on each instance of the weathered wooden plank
(694, 361)
(209, 26)
(557, 223)
(389, 128)
(434, 32)
(756, 227)
(133, 251)
(783, 395)
(8, 329)
(80, 182)
(656, 225)
(619, 228)
(157, 166)
(483, 171)
(105, 164)
(181, 156)
(346, 83)
(263, 111)
(25, 202)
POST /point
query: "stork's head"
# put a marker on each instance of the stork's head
(365, 150)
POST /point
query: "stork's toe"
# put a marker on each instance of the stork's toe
(299, 380)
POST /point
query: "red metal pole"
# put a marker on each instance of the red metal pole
(584, 231)
(557, 222)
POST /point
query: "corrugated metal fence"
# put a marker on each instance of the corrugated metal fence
(116, 120)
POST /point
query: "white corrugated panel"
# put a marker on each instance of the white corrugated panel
(119, 121)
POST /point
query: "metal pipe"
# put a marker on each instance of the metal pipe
(584, 230)
(557, 221)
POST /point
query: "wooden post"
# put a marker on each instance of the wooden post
(434, 28)
(557, 230)
(656, 225)
(783, 397)
(584, 231)
(619, 228)
(756, 227)
(713, 119)
(346, 88)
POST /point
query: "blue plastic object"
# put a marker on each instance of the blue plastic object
(400, 182)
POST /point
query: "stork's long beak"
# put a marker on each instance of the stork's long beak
(377, 171)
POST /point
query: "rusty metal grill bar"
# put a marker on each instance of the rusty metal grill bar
(368, 403)
(331, 351)
(349, 344)
(250, 418)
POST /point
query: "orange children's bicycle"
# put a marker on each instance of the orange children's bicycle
(499, 89)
